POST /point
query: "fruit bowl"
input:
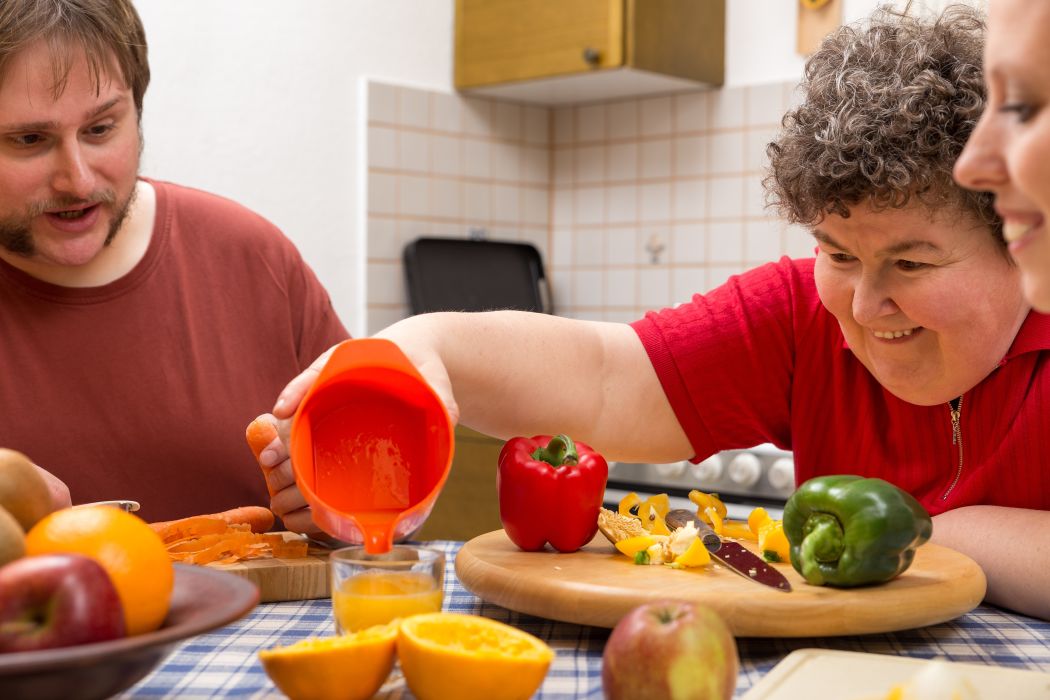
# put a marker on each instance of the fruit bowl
(202, 600)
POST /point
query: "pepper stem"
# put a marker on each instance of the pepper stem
(560, 451)
(821, 544)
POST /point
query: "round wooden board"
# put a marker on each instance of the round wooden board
(597, 586)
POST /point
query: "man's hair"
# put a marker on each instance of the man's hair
(105, 29)
(887, 108)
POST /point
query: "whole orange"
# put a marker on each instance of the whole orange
(131, 553)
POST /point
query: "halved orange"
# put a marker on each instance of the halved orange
(349, 667)
(450, 655)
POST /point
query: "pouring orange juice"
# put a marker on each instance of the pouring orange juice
(375, 589)
(371, 445)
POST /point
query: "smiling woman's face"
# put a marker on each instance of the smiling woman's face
(1007, 154)
(929, 306)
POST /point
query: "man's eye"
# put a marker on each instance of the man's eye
(1023, 111)
(100, 129)
(910, 265)
(25, 140)
(841, 257)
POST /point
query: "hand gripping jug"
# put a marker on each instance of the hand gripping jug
(371, 445)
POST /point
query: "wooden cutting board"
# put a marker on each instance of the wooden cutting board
(851, 675)
(597, 586)
(286, 579)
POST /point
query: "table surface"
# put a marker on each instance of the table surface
(224, 663)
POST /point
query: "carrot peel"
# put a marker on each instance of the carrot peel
(215, 539)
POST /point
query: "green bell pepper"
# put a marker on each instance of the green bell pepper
(846, 530)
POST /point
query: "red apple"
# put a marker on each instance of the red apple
(670, 650)
(57, 600)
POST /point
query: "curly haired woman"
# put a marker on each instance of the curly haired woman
(1007, 154)
(904, 351)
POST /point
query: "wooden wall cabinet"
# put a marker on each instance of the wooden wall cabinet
(468, 505)
(567, 51)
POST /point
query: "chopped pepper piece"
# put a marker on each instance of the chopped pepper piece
(772, 542)
(695, 555)
(627, 503)
(633, 545)
(651, 512)
(845, 530)
(704, 501)
(713, 519)
(738, 530)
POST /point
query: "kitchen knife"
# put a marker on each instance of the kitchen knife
(129, 506)
(680, 516)
(732, 555)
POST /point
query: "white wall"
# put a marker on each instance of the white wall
(760, 35)
(259, 100)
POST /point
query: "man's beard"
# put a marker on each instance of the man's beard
(16, 235)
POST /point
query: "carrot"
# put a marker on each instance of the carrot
(260, 433)
(258, 518)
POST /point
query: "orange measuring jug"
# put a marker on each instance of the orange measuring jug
(371, 445)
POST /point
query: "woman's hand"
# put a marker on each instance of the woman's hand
(415, 347)
(286, 500)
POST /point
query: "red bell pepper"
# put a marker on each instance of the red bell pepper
(550, 490)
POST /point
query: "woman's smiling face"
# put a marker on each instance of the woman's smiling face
(929, 304)
(1007, 152)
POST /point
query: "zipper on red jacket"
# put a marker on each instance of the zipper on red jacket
(955, 405)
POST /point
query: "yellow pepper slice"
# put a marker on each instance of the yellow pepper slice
(738, 530)
(757, 518)
(773, 543)
(626, 503)
(633, 545)
(652, 520)
(651, 512)
(695, 555)
(713, 519)
(707, 500)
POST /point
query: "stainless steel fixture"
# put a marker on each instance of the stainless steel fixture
(763, 475)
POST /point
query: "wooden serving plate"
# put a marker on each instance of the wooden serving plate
(597, 586)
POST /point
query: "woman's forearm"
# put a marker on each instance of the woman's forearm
(1011, 545)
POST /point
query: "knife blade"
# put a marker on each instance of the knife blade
(749, 565)
(733, 555)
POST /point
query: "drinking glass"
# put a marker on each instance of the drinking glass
(373, 589)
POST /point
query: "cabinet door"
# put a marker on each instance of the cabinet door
(469, 503)
(500, 41)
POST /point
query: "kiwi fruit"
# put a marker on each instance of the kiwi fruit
(12, 538)
(23, 491)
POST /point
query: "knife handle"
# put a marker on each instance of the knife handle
(712, 542)
(680, 516)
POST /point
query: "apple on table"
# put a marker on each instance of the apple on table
(670, 650)
(57, 600)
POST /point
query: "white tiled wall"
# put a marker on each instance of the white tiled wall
(442, 165)
(633, 204)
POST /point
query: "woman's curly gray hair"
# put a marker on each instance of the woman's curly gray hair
(886, 112)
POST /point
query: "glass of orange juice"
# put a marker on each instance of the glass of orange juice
(373, 589)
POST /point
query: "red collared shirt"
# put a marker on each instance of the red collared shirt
(761, 360)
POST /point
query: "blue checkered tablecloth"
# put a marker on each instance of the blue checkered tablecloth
(224, 663)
